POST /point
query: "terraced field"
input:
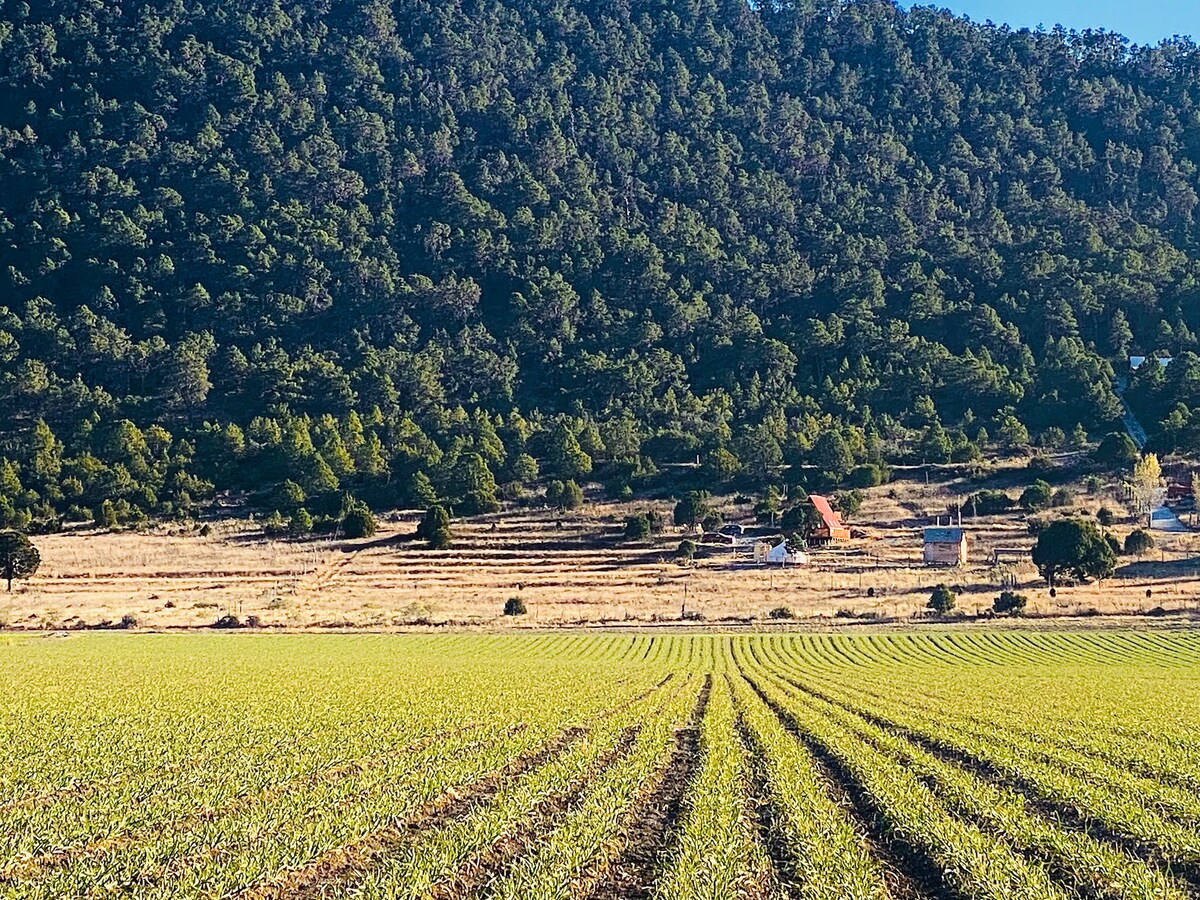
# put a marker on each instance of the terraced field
(965, 765)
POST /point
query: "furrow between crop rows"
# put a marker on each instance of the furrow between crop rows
(941, 765)
(648, 824)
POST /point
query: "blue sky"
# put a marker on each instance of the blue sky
(1142, 21)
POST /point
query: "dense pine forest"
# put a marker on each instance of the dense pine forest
(452, 249)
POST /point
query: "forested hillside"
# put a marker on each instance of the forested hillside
(422, 248)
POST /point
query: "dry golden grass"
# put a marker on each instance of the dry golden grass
(567, 568)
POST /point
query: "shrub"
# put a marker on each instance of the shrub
(274, 525)
(1039, 465)
(686, 550)
(1105, 516)
(514, 606)
(107, 516)
(564, 494)
(1117, 450)
(205, 530)
(989, 503)
(941, 600)
(1010, 604)
(637, 527)
(867, 476)
(358, 521)
(128, 621)
(475, 503)
(1139, 542)
(435, 528)
(712, 521)
(1053, 437)
(227, 621)
(49, 525)
(967, 452)
(1062, 497)
(781, 612)
(301, 523)
(1037, 496)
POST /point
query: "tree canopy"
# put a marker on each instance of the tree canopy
(18, 558)
(1073, 547)
(367, 246)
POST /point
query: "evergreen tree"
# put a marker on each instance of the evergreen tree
(729, 258)
(564, 495)
(421, 492)
(565, 457)
(357, 520)
(18, 557)
(1075, 547)
(691, 509)
(434, 528)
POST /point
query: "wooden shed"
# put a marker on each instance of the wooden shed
(945, 546)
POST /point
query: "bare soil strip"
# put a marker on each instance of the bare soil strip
(1063, 815)
(910, 873)
(764, 812)
(1179, 780)
(541, 820)
(343, 863)
(652, 819)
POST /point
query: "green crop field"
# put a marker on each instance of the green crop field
(958, 765)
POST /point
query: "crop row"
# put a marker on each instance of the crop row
(659, 767)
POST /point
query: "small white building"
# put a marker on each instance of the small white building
(781, 555)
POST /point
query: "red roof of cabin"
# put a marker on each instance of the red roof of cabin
(827, 514)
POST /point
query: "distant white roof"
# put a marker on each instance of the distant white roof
(1135, 362)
